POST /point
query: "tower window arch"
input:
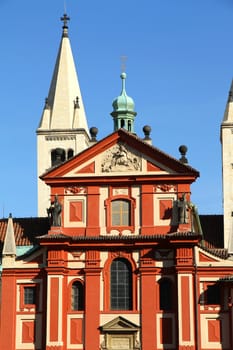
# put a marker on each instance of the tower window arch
(57, 156)
(77, 296)
(165, 294)
(120, 285)
(122, 123)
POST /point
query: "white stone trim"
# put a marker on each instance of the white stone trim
(134, 318)
(102, 214)
(205, 344)
(37, 282)
(74, 278)
(19, 322)
(156, 199)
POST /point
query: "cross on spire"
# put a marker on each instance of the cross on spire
(65, 19)
(123, 63)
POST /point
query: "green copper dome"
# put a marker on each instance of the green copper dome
(123, 102)
(123, 109)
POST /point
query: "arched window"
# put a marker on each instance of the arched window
(77, 296)
(121, 212)
(121, 285)
(57, 156)
(165, 294)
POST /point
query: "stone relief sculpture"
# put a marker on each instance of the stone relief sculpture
(119, 158)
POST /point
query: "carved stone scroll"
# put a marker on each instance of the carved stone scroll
(165, 188)
(75, 190)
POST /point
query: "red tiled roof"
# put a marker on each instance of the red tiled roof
(26, 230)
(219, 252)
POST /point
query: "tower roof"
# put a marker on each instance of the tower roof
(9, 247)
(123, 109)
(228, 114)
(123, 102)
(64, 107)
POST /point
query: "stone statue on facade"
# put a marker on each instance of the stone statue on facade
(54, 212)
(182, 205)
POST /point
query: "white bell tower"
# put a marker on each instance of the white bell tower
(63, 130)
(227, 171)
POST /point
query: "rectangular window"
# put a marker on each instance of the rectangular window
(120, 213)
(29, 295)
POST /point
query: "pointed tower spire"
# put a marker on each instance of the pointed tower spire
(64, 89)
(123, 109)
(63, 123)
(227, 175)
(228, 115)
(9, 246)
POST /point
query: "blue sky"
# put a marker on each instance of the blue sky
(179, 71)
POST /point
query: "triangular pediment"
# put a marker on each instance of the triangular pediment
(120, 153)
(119, 324)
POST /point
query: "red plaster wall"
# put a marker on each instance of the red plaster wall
(8, 312)
(28, 331)
(185, 308)
(214, 331)
(76, 331)
(76, 211)
(148, 308)
(54, 309)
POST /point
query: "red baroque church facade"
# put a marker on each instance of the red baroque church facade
(122, 261)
